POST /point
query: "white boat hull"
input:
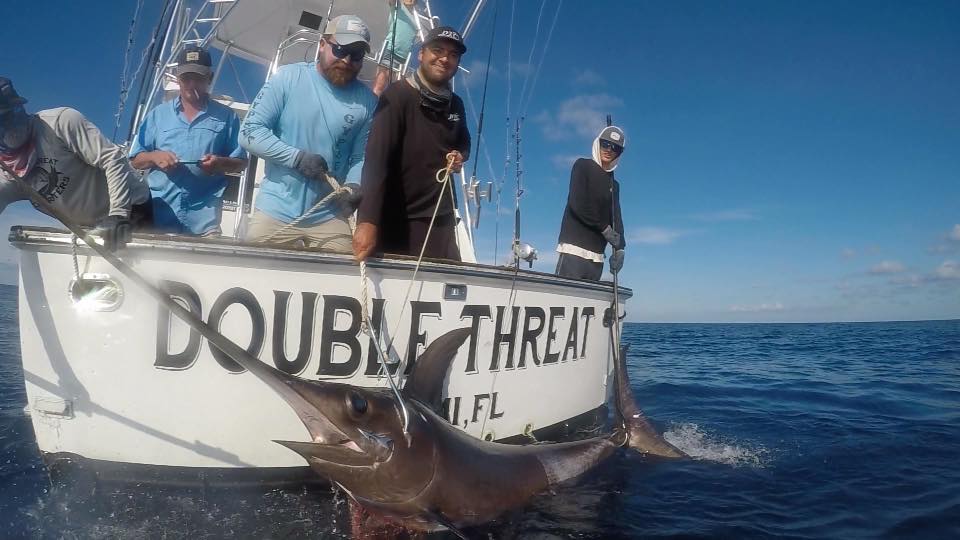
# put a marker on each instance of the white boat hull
(134, 386)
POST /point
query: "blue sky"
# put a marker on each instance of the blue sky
(786, 161)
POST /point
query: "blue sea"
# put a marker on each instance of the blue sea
(797, 431)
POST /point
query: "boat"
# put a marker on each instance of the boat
(119, 386)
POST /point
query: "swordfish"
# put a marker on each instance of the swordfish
(434, 475)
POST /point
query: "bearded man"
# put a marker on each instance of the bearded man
(310, 120)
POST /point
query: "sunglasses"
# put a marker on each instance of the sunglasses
(340, 51)
(607, 145)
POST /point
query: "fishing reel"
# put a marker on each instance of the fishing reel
(477, 194)
(524, 252)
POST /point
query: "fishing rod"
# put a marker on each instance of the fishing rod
(516, 215)
(483, 106)
(615, 309)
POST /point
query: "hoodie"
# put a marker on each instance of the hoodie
(593, 204)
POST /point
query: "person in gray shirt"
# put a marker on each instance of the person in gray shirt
(66, 159)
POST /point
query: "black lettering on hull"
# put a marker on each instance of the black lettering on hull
(185, 358)
(281, 299)
(246, 299)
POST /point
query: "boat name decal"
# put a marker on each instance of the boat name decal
(534, 331)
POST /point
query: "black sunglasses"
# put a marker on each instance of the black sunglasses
(607, 145)
(340, 51)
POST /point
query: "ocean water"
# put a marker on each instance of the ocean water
(797, 431)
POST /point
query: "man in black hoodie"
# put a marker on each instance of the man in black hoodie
(592, 217)
(419, 128)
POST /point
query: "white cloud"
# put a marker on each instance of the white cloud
(775, 306)
(564, 161)
(655, 235)
(727, 215)
(888, 267)
(588, 77)
(848, 253)
(583, 115)
(954, 233)
(948, 270)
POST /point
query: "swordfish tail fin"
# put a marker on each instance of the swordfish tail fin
(638, 432)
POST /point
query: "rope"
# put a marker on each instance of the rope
(337, 191)
(76, 263)
(443, 177)
(366, 326)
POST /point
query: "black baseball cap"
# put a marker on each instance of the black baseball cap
(9, 98)
(193, 59)
(447, 33)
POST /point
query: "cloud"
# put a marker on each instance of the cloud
(478, 71)
(583, 115)
(726, 215)
(848, 253)
(776, 306)
(947, 271)
(563, 161)
(655, 235)
(588, 77)
(949, 243)
(887, 267)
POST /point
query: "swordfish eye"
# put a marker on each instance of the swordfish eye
(357, 403)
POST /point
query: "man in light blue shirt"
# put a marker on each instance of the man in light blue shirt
(310, 120)
(189, 144)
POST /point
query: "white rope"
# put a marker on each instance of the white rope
(76, 263)
(443, 177)
(337, 191)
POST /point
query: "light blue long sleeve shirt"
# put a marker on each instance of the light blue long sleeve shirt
(186, 200)
(297, 109)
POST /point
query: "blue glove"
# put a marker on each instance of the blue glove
(115, 231)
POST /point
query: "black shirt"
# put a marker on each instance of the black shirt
(589, 207)
(408, 143)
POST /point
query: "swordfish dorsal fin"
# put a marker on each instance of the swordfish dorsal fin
(425, 382)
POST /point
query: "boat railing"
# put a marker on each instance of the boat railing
(208, 17)
(298, 37)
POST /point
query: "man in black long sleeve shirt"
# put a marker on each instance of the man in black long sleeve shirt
(419, 125)
(592, 217)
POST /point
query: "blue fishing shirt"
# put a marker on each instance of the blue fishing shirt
(297, 109)
(187, 200)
